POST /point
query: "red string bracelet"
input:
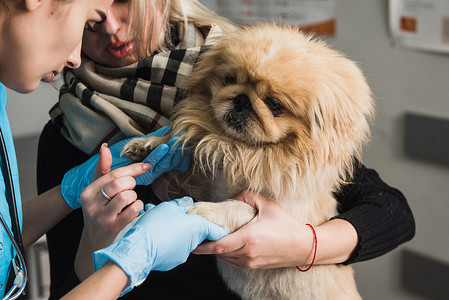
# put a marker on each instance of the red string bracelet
(314, 252)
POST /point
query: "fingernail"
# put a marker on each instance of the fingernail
(146, 166)
(102, 147)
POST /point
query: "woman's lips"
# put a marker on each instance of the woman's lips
(120, 49)
(50, 76)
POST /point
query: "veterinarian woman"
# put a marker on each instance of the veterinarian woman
(37, 39)
(123, 99)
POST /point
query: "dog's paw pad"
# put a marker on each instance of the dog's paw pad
(136, 150)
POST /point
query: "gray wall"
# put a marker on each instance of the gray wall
(401, 81)
(28, 113)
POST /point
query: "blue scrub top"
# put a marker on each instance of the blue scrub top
(6, 249)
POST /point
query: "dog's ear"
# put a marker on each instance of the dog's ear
(202, 78)
(340, 116)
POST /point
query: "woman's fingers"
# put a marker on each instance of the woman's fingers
(129, 213)
(229, 261)
(93, 192)
(120, 201)
(132, 170)
(227, 244)
(115, 187)
(113, 215)
(252, 198)
(104, 162)
(231, 249)
(123, 206)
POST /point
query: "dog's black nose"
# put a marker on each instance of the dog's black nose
(242, 103)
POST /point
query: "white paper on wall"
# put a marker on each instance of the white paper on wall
(420, 24)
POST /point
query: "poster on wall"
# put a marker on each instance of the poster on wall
(317, 16)
(421, 25)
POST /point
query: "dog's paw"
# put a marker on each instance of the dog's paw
(230, 214)
(139, 148)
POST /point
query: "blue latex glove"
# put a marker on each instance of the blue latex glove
(160, 240)
(162, 158)
(175, 159)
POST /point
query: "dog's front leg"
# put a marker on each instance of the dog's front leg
(139, 148)
(229, 214)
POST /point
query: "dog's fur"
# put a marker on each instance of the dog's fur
(275, 111)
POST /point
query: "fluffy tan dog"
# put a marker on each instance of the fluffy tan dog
(275, 111)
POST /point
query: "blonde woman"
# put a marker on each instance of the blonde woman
(127, 85)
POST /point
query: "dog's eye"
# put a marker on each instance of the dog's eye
(274, 105)
(228, 80)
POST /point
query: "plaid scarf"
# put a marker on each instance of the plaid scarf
(99, 104)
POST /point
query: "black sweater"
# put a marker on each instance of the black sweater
(379, 213)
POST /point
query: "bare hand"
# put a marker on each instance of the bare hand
(104, 218)
(272, 239)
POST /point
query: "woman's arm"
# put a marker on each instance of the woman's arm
(107, 283)
(274, 238)
(41, 213)
(368, 209)
(379, 212)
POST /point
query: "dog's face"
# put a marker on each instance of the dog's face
(261, 90)
(251, 106)
(272, 86)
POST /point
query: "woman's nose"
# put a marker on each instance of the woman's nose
(74, 60)
(111, 25)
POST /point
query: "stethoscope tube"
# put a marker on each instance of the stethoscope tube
(9, 186)
(14, 234)
(20, 271)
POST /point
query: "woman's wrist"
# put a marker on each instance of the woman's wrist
(305, 246)
(334, 242)
(83, 259)
(314, 251)
(337, 241)
(121, 277)
(107, 283)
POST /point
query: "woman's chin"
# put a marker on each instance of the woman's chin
(117, 63)
(27, 87)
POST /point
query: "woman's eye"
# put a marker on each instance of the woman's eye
(274, 105)
(229, 80)
(90, 26)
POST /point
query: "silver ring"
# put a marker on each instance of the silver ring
(105, 195)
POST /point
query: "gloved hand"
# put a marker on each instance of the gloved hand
(160, 240)
(175, 159)
(162, 158)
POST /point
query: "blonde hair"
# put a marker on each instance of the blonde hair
(171, 11)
